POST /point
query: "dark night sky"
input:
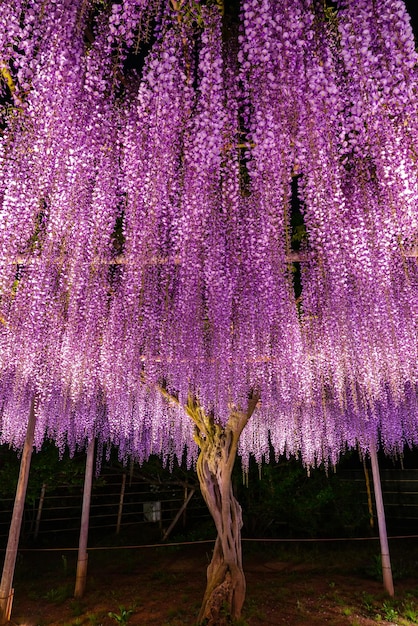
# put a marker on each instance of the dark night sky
(412, 7)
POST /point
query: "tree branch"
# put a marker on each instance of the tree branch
(7, 77)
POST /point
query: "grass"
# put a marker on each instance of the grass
(123, 616)
(94, 619)
(410, 611)
(402, 611)
(252, 608)
(58, 595)
(167, 589)
(77, 607)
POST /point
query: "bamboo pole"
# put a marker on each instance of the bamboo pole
(6, 591)
(384, 546)
(184, 516)
(39, 513)
(369, 494)
(120, 509)
(179, 514)
(81, 575)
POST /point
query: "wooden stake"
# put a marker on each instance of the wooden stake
(6, 591)
(369, 494)
(120, 509)
(39, 513)
(384, 546)
(81, 576)
(178, 515)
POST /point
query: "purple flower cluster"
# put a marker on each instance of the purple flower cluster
(146, 224)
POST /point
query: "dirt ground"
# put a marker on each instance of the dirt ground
(293, 585)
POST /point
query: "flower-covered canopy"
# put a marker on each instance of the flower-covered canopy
(153, 156)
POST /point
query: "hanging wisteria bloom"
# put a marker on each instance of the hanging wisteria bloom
(152, 160)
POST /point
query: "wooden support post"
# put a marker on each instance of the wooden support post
(6, 591)
(39, 512)
(369, 494)
(384, 546)
(81, 575)
(184, 516)
(120, 509)
(178, 515)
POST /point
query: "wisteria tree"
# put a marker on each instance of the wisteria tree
(153, 155)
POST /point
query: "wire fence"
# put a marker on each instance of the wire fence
(212, 541)
(118, 502)
(123, 503)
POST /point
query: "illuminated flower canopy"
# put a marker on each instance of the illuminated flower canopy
(153, 157)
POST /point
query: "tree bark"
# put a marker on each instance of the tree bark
(225, 589)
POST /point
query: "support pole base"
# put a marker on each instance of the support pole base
(6, 607)
(81, 577)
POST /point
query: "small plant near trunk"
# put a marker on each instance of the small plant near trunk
(410, 612)
(368, 602)
(403, 613)
(122, 617)
(77, 607)
(389, 612)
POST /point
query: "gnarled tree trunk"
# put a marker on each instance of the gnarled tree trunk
(225, 590)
